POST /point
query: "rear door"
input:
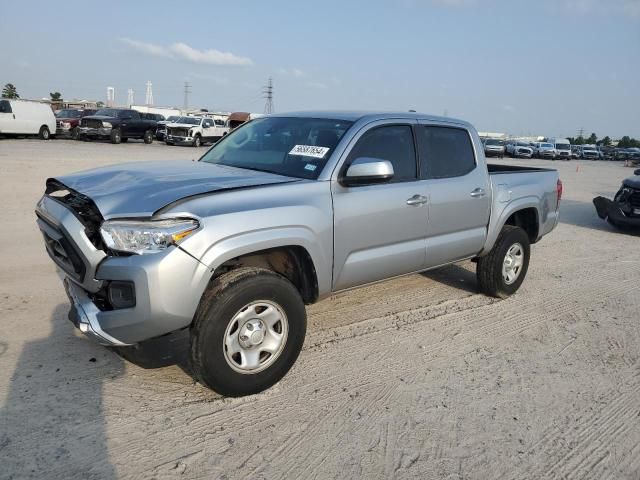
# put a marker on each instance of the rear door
(459, 193)
(377, 234)
(7, 117)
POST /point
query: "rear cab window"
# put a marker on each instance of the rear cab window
(444, 152)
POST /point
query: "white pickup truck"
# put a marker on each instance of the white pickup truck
(195, 131)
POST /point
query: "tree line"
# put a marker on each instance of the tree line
(624, 142)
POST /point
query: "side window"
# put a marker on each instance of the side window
(393, 143)
(445, 152)
(5, 106)
(219, 123)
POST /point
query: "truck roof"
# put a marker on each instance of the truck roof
(355, 115)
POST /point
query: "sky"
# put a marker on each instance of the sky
(525, 67)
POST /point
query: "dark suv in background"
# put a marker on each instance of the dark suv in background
(117, 125)
(68, 119)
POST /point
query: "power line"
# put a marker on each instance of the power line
(267, 92)
(187, 91)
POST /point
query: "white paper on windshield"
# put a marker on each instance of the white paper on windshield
(309, 151)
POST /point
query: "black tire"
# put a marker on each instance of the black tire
(44, 133)
(489, 268)
(75, 133)
(116, 136)
(124, 139)
(148, 137)
(226, 297)
(197, 141)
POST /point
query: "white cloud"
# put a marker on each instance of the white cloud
(182, 51)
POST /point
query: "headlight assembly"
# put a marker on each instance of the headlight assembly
(106, 124)
(144, 237)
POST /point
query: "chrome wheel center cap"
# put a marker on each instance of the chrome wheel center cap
(252, 333)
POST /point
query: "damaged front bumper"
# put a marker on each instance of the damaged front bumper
(615, 214)
(103, 132)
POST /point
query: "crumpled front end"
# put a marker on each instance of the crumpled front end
(623, 211)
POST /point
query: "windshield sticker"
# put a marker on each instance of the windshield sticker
(309, 151)
(310, 166)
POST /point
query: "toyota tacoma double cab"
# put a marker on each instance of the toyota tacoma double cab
(117, 125)
(283, 212)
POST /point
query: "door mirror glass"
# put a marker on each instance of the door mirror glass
(368, 170)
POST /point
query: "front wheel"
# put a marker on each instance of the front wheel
(148, 137)
(197, 141)
(44, 133)
(116, 136)
(75, 133)
(501, 272)
(248, 331)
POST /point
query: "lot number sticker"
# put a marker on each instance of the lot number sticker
(309, 151)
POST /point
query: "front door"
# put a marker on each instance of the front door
(459, 193)
(7, 118)
(379, 230)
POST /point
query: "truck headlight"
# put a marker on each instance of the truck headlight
(144, 237)
(65, 125)
(106, 125)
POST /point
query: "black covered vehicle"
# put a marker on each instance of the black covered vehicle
(624, 210)
(117, 125)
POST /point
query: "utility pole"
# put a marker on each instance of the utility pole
(130, 97)
(267, 92)
(581, 132)
(149, 95)
(187, 91)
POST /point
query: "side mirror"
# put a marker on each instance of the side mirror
(368, 170)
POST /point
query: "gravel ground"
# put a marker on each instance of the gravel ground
(419, 377)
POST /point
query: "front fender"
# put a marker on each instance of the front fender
(295, 235)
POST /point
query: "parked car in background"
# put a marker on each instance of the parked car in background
(68, 121)
(632, 156)
(544, 150)
(562, 147)
(194, 131)
(282, 212)
(117, 125)
(606, 153)
(518, 149)
(589, 152)
(161, 128)
(575, 151)
(494, 147)
(26, 117)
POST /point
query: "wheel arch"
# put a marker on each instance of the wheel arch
(524, 213)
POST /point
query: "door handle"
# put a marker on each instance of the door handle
(417, 200)
(478, 192)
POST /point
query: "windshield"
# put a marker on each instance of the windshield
(522, 144)
(172, 118)
(188, 120)
(68, 113)
(107, 112)
(491, 141)
(295, 147)
(589, 149)
(563, 146)
(546, 145)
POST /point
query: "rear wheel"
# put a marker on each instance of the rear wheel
(116, 135)
(44, 133)
(248, 331)
(501, 272)
(148, 137)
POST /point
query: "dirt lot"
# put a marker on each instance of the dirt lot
(420, 377)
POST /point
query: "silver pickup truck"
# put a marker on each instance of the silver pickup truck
(283, 212)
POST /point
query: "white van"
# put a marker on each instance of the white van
(563, 148)
(24, 117)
